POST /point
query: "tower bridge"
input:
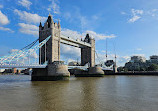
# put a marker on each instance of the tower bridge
(52, 51)
(50, 67)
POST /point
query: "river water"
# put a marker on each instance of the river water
(110, 93)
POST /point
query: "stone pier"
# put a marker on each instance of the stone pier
(54, 71)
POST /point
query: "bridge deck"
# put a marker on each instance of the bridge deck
(22, 66)
(72, 42)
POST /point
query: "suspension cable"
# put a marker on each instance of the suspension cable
(98, 57)
(30, 45)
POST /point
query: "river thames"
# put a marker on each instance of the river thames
(110, 93)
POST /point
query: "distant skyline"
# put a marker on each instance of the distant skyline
(130, 26)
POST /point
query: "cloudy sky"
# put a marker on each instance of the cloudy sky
(129, 26)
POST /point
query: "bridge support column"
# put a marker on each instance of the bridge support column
(50, 52)
(88, 53)
(88, 56)
(54, 71)
(58, 71)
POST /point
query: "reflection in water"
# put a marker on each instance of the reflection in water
(50, 94)
(110, 93)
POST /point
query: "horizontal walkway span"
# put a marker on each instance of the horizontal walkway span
(72, 42)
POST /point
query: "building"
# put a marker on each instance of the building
(136, 63)
(109, 63)
(137, 59)
(2, 70)
(153, 59)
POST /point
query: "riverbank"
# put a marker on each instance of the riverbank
(133, 73)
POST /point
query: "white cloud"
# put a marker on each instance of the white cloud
(95, 17)
(99, 36)
(6, 29)
(29, 17)
(1, 6)
(71, 33)
(153, 13)
(28, 29)
(3, 19)
(134, 18)
(74, 16)
(120, 60)
(139, 49)
(25, 3)
(70, 51)
(123, 13)
(143, 55)
(136, 15)
(75, 34)
(13, 50)
(54, 6)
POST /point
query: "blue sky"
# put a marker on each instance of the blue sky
(131, 25)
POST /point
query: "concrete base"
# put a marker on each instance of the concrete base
(57, 68)
(54, 71)
(96, 70)
(92, 72)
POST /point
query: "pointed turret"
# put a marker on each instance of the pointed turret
(50, 21)
(50, 18)
(40, 26)
(87, 38)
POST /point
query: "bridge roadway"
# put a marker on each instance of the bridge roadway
(22, 66)
(76, 43)
(42, 66)
(35, 66)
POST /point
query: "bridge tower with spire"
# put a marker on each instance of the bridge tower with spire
(51, 51)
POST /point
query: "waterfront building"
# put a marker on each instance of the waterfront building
(153, 59)
(139, 63)
(137, 59)
(136, 63)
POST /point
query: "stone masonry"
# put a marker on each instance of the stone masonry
(87, 53)
(53, 45)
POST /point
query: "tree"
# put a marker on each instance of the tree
(120, 69)
(153, 67)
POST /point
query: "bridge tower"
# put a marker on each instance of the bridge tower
(52, 51)
(88, 53)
